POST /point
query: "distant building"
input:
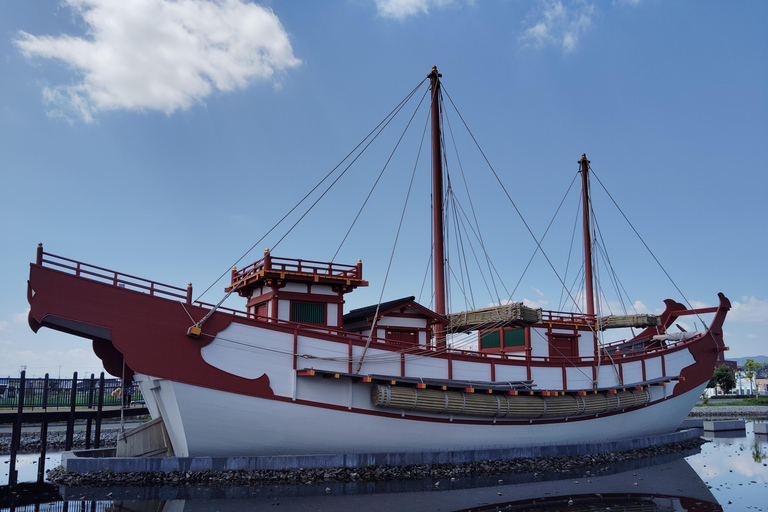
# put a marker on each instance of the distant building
(761, 386)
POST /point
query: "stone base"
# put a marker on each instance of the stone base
(717, 426)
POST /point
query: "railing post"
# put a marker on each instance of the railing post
(189, 289)
(71, 420)
(39, 258)
(43, 435)
(16, 434)
(89, 421)
(267, 260)
(99, 405)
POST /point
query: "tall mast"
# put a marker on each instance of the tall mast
(587, 234)
(437, 207)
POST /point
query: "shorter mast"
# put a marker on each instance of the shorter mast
(587, 235)
(437, 209)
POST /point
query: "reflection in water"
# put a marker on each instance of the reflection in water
(734, 472)
(670, 485)
(757, 452)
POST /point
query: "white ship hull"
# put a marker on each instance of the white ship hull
(203, 421)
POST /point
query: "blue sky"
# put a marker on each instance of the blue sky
(163, 138)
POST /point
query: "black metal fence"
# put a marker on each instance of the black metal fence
(59, 393)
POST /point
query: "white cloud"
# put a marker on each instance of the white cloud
(3, 325)
(749, 310)
(535, 304)
(556, 24)
(21, 318)
(161, 54)
(401, 9)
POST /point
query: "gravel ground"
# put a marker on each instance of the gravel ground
(602, 463)
(30, 441)
(730, 411)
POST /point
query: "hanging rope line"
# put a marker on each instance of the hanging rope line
(397, 237)
(386, 119)
(512, 202)
(690, 306)
(402, 104)
(463, 238)
(476, 224)
(378, 178)
(538, 247)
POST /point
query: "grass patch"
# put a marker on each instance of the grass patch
(760, 400)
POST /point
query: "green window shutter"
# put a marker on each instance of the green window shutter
(490, 339)
(308, 313)
(514, 338)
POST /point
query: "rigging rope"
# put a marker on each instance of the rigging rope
(397, 236)
(388, 116)
(386, 165)
(648, 249)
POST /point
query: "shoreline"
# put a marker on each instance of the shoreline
(314, 476)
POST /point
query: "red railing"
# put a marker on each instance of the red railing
(568, 318)
(112, 277)
(128, 281)
(318, 268)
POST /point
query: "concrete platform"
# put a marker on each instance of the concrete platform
(761, 428)
(82, 461)
(718, 426)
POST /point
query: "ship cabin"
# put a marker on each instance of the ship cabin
(555, 336)
(402, 322)
(302, 291)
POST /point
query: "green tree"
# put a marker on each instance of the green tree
(723, 377)
(750, 369)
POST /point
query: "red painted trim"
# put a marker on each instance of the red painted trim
(160, 336)
(148, 331)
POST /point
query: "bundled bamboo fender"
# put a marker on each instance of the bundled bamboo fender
(503, 406)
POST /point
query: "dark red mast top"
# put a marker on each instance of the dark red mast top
(437, 206)
(587, 235)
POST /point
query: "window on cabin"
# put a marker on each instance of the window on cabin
(308, 312)
(402, 336)
(490, 339)
(514, 339)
